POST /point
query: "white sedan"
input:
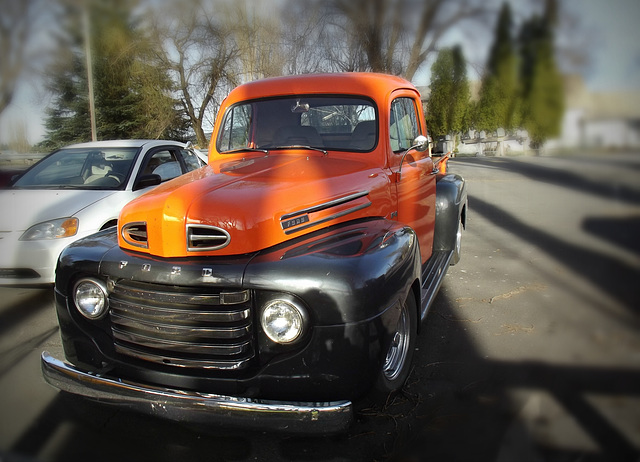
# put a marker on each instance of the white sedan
(74, 192)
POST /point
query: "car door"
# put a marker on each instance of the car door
(169, 163)
(190, 159)
(415, 182)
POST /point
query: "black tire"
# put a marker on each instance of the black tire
(397, 363)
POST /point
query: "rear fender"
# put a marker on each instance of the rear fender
(451, 208)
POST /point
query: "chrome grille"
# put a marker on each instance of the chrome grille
(182, 328)
(204, 237)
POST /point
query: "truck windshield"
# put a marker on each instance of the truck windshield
(322, 122)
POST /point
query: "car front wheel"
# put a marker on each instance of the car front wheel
(397, 363)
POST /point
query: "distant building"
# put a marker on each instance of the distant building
(604, 119)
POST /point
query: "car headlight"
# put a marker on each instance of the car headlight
(90, 297)
(53, 229)
(283, 321)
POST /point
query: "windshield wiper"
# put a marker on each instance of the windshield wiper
(246, 150)
(301, 146)
(46, 186)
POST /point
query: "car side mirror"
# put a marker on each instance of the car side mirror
(147, 180)
(14, 178)
(421, 144)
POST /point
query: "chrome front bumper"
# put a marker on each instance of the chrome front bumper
(205, 408)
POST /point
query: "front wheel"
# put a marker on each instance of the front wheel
(397, 363)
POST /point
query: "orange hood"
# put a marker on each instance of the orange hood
(244, 205)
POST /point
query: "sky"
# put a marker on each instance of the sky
(608, 33)
(614, 38)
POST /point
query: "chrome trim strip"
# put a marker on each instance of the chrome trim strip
(224, 298)
(326, 205)
(329, 218)
(224, 236)
(181, 405)
(142, 244)
(167, 360)
(185, 332)
(131, 309)
(177, 346)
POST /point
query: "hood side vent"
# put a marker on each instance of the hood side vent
(203, 238)
(299, 220)
(135, 234)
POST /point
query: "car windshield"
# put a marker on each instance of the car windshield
(80, 168)
(320, 122)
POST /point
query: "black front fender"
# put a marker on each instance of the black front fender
(349, 274)
(83, 257)
(351, 278)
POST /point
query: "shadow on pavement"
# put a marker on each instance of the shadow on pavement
(563, 178)
(12, 315)
(472, 413)
(15, 348)
(623, 231)
(616, 278)
(455, 406)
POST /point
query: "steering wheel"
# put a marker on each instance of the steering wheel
(117, 176)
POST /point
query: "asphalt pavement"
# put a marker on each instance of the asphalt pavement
(531, 351)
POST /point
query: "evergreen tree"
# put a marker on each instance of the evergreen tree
(448, 103)
(542, 88)
(67, 119)
(498, 105)
(132, 97)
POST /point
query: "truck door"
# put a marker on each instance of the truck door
(415, 182)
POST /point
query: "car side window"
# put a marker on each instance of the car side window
(163, 163)
(403, 124)
(191, 160)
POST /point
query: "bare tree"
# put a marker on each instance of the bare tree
(259, 40)
(396, 36)
(303, 30)
(198, 52)
(19, 140)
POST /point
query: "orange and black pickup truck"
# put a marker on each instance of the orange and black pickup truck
(283, 281)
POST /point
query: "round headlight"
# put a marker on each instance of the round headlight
(90, 297)
(282, 321)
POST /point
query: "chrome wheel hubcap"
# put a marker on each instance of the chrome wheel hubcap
(399, 348)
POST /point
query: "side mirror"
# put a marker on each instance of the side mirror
(147, 180)
(421, 144)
